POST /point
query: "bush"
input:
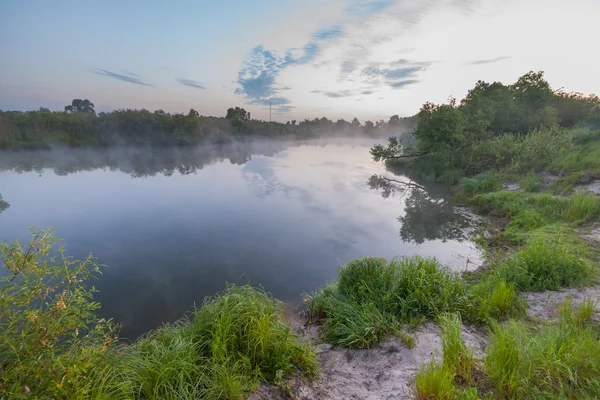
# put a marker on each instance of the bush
(53, 346)
(541, 146)
(52, 343)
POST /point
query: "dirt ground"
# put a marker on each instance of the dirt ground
(387, 371)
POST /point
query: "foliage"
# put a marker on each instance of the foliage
(54, 346)
(520, 126)
(373, 297)
(80, 126)
(559, 361)
(545, 263)
(440, 127)
(222, 350)
(78, 105)
(52, 343)
(434, 382)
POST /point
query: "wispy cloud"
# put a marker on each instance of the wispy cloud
(191, 83)
(124, 78)
(487, 61)
(401, 84)
(396, 74)
(328, 34)
(258, 74)
(335, 94)
(362, 8)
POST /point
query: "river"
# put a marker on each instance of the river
(176, 225)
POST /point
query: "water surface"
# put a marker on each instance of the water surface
(176, 225)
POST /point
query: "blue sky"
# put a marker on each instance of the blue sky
(335, 58)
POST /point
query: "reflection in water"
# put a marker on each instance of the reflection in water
(426, 216)
(140, 161)
(3, 204)
(175, 225)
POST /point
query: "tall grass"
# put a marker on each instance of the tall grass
(222, 350)
(373, 297)
(559, 361)
(547, 262)
(52, 345)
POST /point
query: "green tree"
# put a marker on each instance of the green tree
(238, 114)
(193, 113)
(81, 106)
(440, 127)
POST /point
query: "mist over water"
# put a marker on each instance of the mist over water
(175, 225)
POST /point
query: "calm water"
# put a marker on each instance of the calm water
(176, 225)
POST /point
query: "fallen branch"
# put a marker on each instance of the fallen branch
(413, 155)
(409, 184)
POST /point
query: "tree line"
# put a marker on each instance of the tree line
(79, 124)
(488, 127)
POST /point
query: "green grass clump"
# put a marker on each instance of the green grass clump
(223, 350)
(546, 262)
(373, 297)
(558, 361)
(456, 356)
(529, 211)
(482, 183)
(434, 382)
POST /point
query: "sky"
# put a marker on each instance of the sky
(368, 59)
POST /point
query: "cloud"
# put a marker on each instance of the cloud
(396, 74)
(124, 78)
(338, 94)
(487, 61)
(401, 84)
(328, 34)
(362, 8)
(258, 74)
(191, 83)
(367, 92)
(348, 66)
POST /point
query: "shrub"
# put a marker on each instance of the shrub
(52, 343)
(53, 346)
(542, 145)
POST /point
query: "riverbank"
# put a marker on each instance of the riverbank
(371, 334)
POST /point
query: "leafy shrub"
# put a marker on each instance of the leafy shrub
(52, 343)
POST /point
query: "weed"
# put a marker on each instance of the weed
(434, 382)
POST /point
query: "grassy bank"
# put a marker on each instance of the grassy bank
(53, 346)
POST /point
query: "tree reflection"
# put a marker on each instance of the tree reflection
(3, 204)
(139, 161)
(427, 215)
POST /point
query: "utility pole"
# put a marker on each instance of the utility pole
(269, 111)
